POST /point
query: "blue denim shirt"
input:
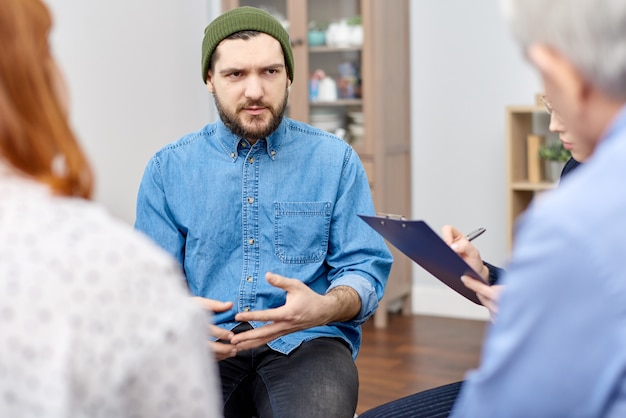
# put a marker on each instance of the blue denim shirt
(230, 213)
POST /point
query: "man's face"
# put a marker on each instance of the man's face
(249, 83)
(570, 142)
(563, 86)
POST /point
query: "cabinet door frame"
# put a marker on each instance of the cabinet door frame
(386, 147)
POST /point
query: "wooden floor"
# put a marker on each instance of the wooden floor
(415, 353)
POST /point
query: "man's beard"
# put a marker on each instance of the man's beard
(233, 121)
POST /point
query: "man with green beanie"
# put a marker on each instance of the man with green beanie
(261, 212)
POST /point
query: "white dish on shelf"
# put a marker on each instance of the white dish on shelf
(357, 117)
(329, 126)
(356, 129)
(325, 117)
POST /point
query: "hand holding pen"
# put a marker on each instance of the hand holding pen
(461, 244)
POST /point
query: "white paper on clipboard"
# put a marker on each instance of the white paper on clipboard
(416, 240)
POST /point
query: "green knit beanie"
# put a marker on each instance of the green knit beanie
(240, 19)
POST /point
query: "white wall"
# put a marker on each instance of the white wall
(133, 73)
(465, 70)
(133, 69)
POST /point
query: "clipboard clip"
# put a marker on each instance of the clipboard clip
(391, 216)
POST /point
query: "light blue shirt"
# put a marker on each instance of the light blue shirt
(229, 213)
(558, 346)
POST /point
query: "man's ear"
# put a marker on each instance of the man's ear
(209, 82)
(562, 80)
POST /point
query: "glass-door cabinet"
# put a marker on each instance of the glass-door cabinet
(352, 78)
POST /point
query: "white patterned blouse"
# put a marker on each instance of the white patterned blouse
(95, 320)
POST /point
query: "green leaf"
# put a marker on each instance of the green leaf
(554, 151)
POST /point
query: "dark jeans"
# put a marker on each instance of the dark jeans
(432, 403)
(319, 379)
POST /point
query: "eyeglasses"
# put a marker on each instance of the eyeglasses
(547, 105)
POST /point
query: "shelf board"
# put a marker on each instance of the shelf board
(325, 49)
(339, 102)
(527, 186)
(526, 109)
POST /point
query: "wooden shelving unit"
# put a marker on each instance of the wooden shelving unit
(383, 59)
(522, 121)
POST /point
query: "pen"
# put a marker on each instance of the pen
(475, 234)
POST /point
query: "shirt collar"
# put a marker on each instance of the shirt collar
(231, 142)
(618, 124)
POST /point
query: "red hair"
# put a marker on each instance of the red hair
(35, 136)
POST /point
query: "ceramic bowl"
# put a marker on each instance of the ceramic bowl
(316, 38)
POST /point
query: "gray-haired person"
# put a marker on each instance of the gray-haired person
(557, 347)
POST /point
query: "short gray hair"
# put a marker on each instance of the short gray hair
(590, 33)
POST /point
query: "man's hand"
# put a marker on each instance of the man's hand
(223, 348)
(303, 309)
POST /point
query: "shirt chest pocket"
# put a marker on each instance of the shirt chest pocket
(301, 231)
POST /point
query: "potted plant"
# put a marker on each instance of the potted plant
(555, 155)
(317, 33)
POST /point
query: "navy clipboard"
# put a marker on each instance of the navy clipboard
(420, 243)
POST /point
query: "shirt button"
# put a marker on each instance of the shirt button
(272, 153)
(246, 309)
(251, 241)
(233, 155)
(251, 200)
(249, 279)
(251, 160)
